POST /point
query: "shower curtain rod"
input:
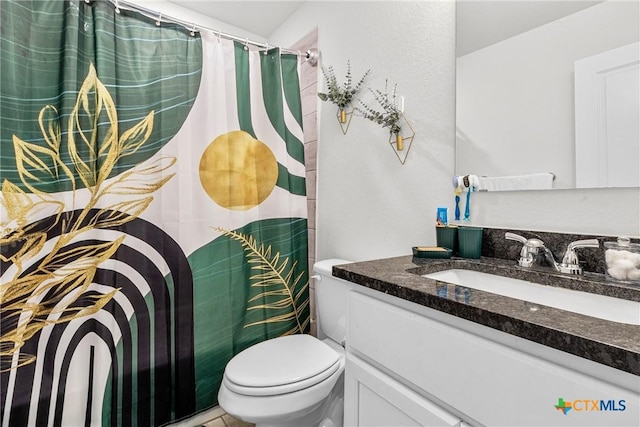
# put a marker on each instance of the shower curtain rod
(193, 27)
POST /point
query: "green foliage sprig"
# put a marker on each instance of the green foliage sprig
(390, 114)
(341, 95)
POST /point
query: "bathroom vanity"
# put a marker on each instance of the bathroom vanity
(423, 352)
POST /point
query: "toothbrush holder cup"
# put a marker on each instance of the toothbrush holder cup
(470, 242)
(447, 237)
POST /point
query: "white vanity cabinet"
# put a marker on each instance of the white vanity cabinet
(407, 365)
(376, 399)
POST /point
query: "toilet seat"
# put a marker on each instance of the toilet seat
(281, 365)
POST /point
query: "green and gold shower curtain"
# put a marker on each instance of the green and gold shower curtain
(153, 213)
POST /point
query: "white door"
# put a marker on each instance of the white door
(607, 107)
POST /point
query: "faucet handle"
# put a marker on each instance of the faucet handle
(530, 248)
(526, 258)
(570, 262)
(513, 236)
(588, 243)
(532, 244)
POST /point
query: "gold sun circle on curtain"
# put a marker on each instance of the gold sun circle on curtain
(238, 171)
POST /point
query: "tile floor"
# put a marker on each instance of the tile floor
(226, 420)
(213, 417)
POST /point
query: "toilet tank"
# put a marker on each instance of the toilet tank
(331, 300)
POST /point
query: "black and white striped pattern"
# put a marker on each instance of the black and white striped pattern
(139, 346)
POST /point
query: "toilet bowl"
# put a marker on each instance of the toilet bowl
(295, 380)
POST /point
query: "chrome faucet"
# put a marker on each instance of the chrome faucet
(570, 263)
(534, 252)
(531, 249)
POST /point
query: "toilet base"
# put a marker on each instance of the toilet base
(332, 416)
(335, 414)
(327, 413)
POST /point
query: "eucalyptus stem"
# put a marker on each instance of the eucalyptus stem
(390, 114)
(341, 95)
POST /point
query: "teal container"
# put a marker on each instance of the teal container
(447, 237)
(470, 242)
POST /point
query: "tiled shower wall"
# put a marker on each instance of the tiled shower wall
(308, 92)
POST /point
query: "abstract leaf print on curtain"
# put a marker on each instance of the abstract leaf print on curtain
(250, 269)
(153, 216)
(88, 286)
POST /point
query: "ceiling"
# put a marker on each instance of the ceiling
(258, 17)
(480, 23)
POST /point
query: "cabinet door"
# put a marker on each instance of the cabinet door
(375, 399)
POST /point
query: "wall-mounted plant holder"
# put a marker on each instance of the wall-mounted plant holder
(344, 116)
(402, 141)
(390, 115)
(341, 94)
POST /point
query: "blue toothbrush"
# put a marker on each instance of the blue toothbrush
(471, 182)
(467, 209)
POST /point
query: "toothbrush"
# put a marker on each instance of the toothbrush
(456, 191)
(467, 209)
(471, 182)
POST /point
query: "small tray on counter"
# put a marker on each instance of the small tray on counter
(431, 252)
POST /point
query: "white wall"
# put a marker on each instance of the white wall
(515, 98)
(602, 211)
(369, 204)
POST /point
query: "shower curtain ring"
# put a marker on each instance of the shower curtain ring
(266, 49)
(246, 44)
(117, 8)
(159, 19)
(193, 30)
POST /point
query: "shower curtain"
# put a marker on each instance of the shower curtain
(153, 214)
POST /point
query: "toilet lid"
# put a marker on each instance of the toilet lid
(281, 365)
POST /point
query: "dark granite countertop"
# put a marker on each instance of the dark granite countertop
(610, 343)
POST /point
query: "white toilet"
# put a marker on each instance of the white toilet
(295, 380)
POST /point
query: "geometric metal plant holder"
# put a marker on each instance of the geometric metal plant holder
(402, 147)
(344, 117)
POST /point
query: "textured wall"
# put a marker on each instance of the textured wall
(369, 204)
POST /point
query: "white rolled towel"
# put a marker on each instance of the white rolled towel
(533, 181)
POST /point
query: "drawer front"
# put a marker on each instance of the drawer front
(488, 382)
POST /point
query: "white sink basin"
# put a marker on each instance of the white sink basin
(594, 305)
